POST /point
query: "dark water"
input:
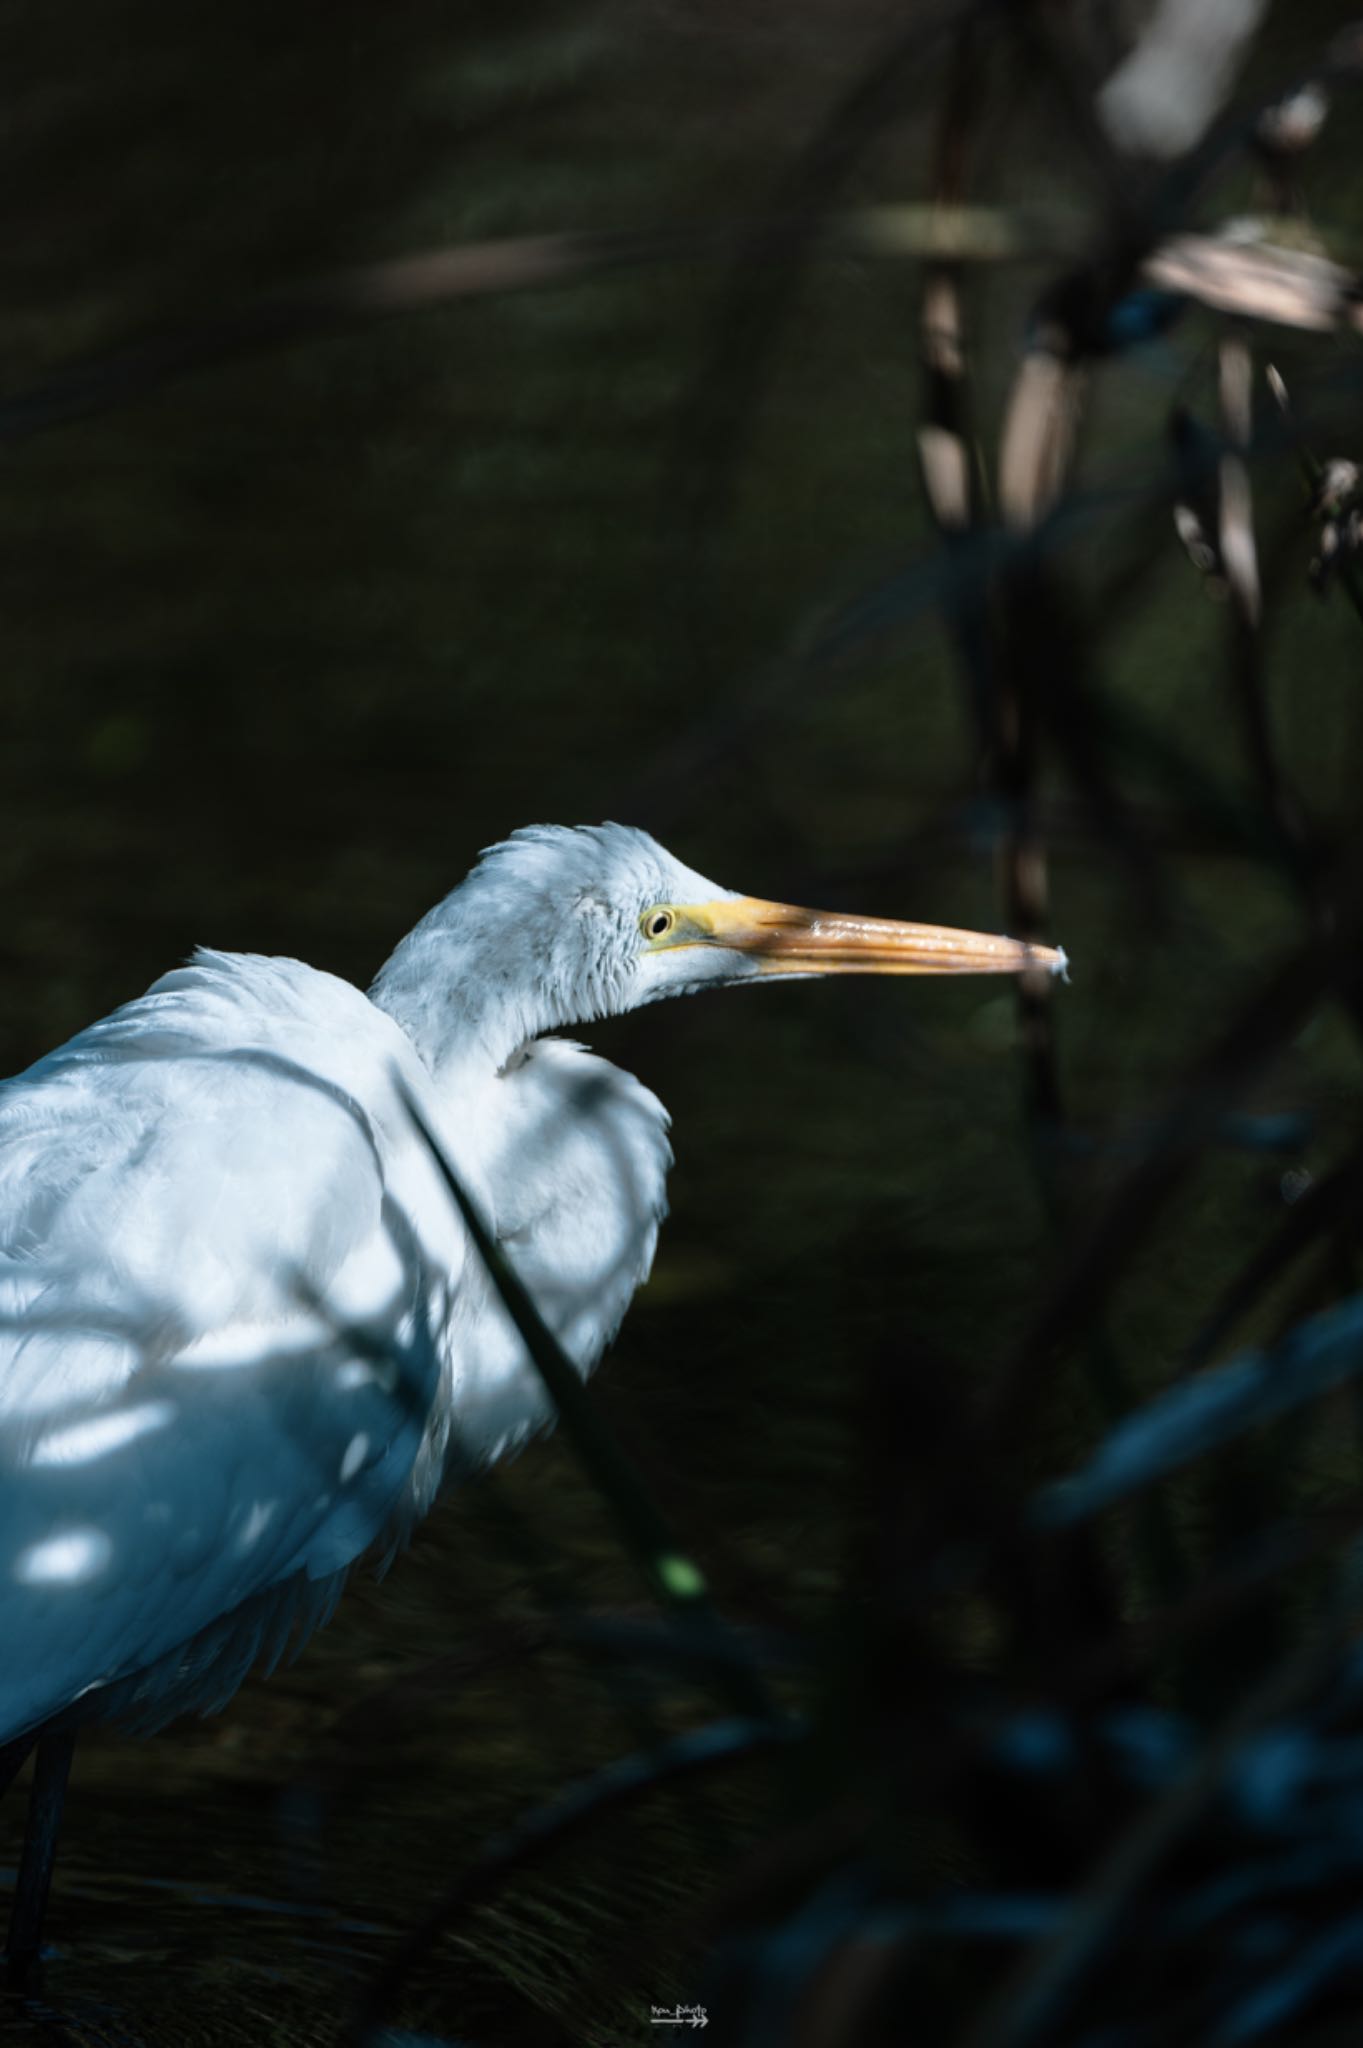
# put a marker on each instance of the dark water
(286, 644)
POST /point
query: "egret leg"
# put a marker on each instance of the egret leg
(51, 1768)
(13, 1757)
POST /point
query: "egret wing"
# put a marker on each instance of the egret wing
(217, 1335)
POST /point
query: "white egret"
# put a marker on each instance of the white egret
(220, 1229)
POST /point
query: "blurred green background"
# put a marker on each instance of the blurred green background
(286, 643)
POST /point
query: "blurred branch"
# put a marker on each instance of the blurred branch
(1238, 127)
(1259, 280)
(1256, 1037)
(944, 436)
(1036, 1995)
(1005, 712)
(673, 1577)
(1279, 286)
(1239, 562)
(1201, 1414)
(719, 409)
(1040, 429)
(1318, 482)
(1236, 535)
(1163, 96)
(1209, 1601)
(1335, 1199)
(438, 278)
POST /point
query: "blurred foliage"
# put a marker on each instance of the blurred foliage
(286, 643)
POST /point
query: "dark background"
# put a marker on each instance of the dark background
(286, 642)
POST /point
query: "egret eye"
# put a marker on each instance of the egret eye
(658, 923)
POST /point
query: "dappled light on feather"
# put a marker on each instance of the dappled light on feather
(244, 1333)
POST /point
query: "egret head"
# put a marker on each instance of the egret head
(558, 925)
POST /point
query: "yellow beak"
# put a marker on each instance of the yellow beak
(792, 941)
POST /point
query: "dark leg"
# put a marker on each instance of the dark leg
(51, 1768)
(13, 1757)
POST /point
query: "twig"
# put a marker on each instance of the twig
(676, 1581)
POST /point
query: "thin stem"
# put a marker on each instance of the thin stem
(52, 1768)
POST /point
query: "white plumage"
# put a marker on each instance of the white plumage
(243, 1335)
